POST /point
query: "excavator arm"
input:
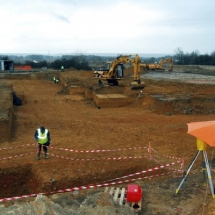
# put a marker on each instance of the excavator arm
(122, 59)
(166, 60)
(137, 84)
(115, 71)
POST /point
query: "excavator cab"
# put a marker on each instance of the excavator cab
(120, 71)
(116, 75)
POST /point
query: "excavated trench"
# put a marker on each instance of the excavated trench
(176, 93)
(18, 181)
(24, 181)
(170, 104)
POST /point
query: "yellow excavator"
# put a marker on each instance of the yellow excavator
(159, 66)
(115, 71)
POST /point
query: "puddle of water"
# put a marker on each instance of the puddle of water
(179, 76)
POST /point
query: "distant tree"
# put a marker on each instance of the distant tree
(194, 57)
(185, 59)
(35, 57)
(67, 57)
(179, 56)
(38, 65)
(152, 59)
(42, 64)
(77, 62)
(204, 60)
(4, 57)
(213, 54)
(213, 57)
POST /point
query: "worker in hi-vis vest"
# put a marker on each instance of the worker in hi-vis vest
(42, 136)
(56, 80)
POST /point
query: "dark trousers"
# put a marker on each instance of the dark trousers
(45, 148)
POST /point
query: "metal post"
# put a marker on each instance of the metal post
(206, 163)
(209, 173)
(187, 172)
(139, 95)
(204, 171)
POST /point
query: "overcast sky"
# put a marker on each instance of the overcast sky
(107, 26)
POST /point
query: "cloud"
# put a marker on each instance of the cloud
(106, 26)
(61, 17)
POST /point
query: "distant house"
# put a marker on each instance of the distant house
(6, 65)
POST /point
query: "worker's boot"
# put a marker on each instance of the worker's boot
(46, 156)
(38, 156)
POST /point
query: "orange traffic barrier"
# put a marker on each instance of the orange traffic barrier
(26, 67)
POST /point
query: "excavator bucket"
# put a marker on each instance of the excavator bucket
(137, 85)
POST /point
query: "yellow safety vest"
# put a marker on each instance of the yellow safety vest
(42, 138)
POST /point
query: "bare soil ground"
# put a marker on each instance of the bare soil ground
(76, 123)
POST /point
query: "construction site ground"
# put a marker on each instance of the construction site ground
(150, 130)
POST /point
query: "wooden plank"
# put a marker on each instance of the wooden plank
(111, 190)
(119, 195)
(128, 204)
(122, 196)
(133, 206)
(106, 189)
(116, 194)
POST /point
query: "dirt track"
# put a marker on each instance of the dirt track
(75, 123)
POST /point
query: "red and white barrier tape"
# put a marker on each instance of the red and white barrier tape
(150, 149)
(10, 147)
(98, 159)
(144, 171)
(176, 158)
(15, 156)
(82, 187)
(97, 150)
(182, 161)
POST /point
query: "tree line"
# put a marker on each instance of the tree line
(81, 62)
(78, 62)
(193, 58)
